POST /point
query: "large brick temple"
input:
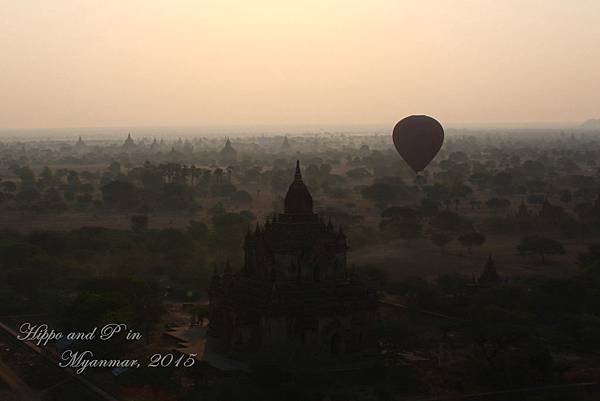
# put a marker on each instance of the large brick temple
(294, 299)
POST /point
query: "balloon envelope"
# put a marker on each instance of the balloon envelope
(418, 139)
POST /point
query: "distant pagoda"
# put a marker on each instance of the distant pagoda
(188, 148)
(129, 144)
(80, 144)
(489, 276)
(228, 154)
(523, 212)
(286, 146)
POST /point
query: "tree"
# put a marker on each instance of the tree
(471, 239)
(498, 203)
(252, 175)
(538, 245)
(566, 196)
(248, 215)
(358, 173)
(500, 335)
(455, 285)
(229, 230)
(400, 212)
(52, 199)
(242, 197)
(313, 176)
(139, 222)
(280, 179)
(447, 220)
(502, 183)
(440, 239)
(73, 179)
(536, 199)
(8, 186)
(590, 257)
(115, 168)
(151, 178)
(429, 207)
(119, 193)
(197, 230)
(85, 198)
(475, 204)
(437, 192)
(46, 177)
(169, 239)
(217, 209)
(403, 222)
(224, 189)
(102, 300)
(26, 175)
(420, 180)
(177, 196)
(27, 197)
(380, 193)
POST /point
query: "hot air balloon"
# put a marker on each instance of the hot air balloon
(418, 139)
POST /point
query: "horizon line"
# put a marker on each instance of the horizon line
(450, 125)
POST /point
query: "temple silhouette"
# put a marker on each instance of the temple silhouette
(228, 154)
(294, 299)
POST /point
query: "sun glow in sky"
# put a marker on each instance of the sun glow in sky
(66, 63)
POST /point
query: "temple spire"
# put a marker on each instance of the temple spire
(298, 174)
(489, 274)
(298, 200)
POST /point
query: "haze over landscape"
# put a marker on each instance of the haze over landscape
(319, 200)
(203, 63)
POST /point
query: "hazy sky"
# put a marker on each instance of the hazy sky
(68, 63)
